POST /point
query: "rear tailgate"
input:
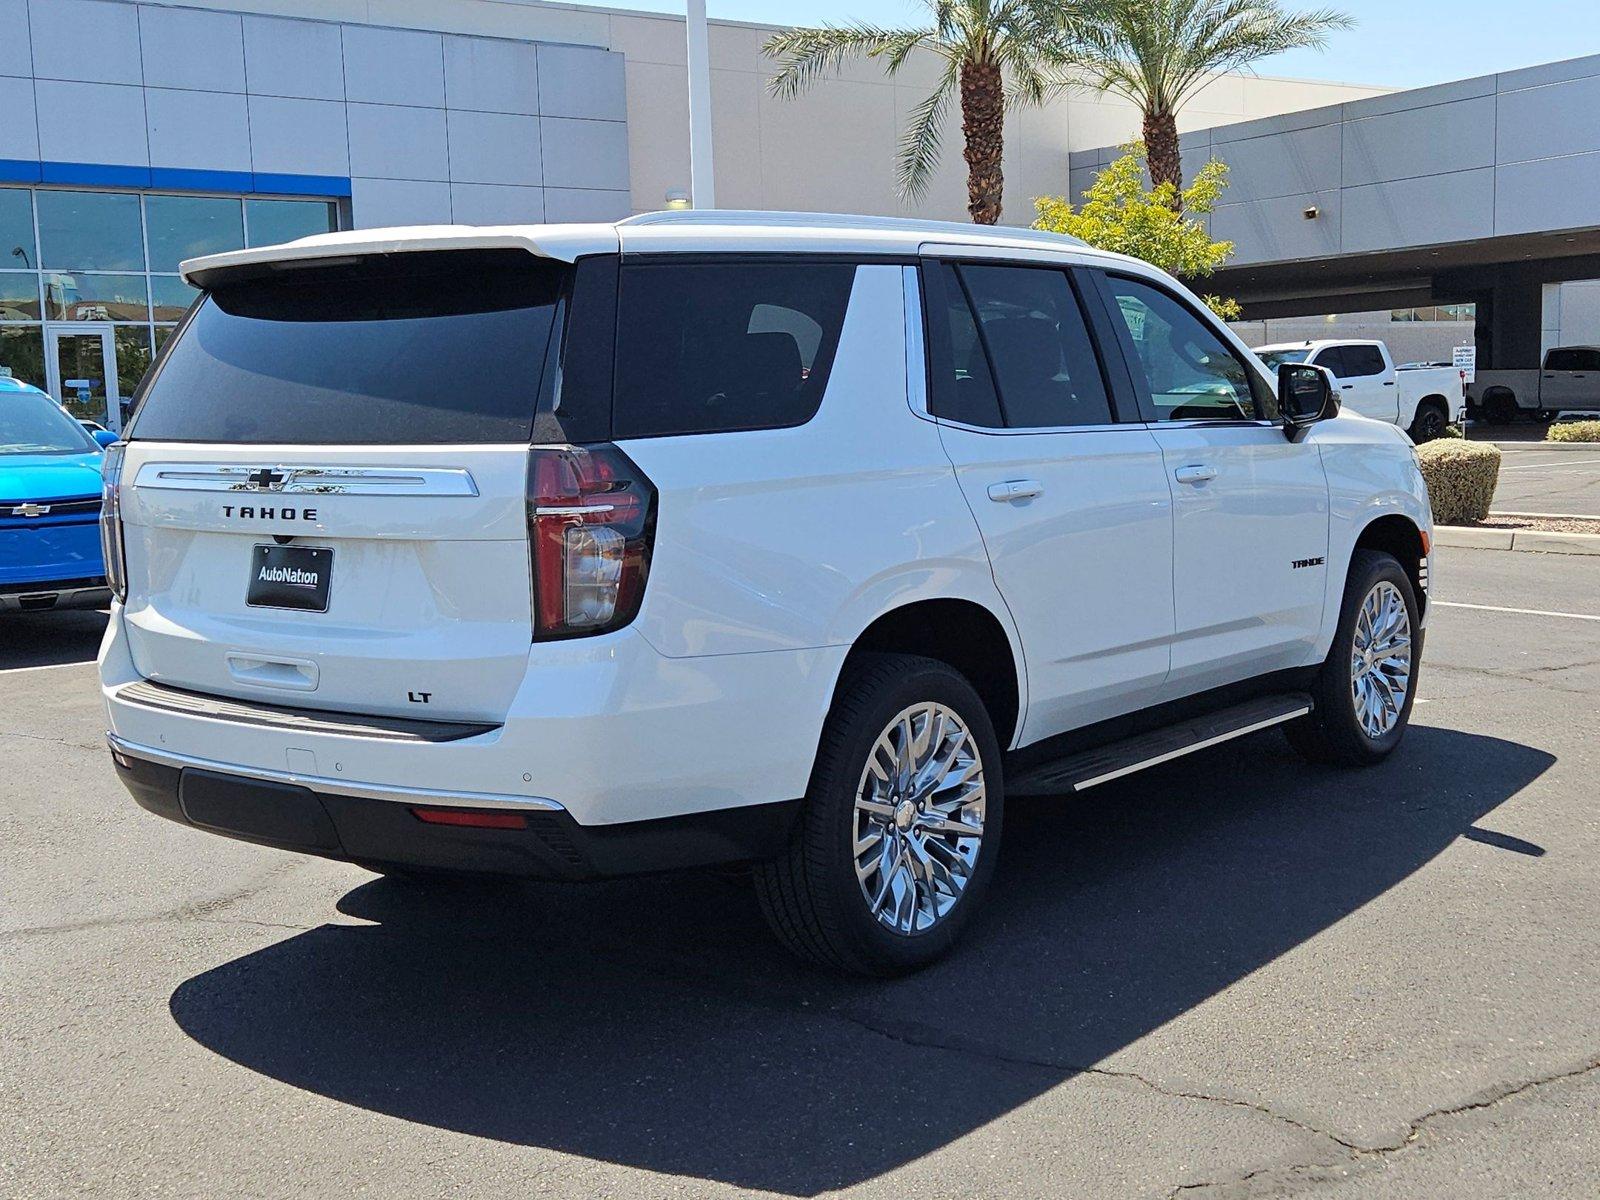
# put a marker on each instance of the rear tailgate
(323, 495)
(420, 606)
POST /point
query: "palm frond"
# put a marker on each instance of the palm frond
(923, 138)
(1157, 53)
(805, 55)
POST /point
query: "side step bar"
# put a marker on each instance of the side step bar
(1105, 763)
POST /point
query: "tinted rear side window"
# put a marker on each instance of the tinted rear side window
(1039, 346)
(1360, 361)
(405, 348)
(717, 347)
(1572, 359)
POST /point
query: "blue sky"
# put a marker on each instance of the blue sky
(1399, 43)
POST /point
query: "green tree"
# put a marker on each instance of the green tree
(1156, 224)
(1158, 53)
(996, 54)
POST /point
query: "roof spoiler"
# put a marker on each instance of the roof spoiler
(561, 243)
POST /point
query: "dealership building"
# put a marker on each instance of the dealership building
(135, 135)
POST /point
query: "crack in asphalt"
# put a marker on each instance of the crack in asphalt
(204, 907)
(55, 741)
(924, 1038)
(1415, 1128)
(919, 1037)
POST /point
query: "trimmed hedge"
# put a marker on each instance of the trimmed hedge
(1461, 477)
(1574, 431)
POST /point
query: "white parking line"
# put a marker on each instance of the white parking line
(88, 662)
(1551, 466)
(1526, 612)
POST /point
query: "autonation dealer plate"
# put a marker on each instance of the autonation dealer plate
(290, 577)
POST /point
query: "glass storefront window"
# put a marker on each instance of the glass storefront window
(90, 231)
(19, 296)
(84, 297)
(133, 358)
(180, 227)
(170, 296)
(79, 256)
(274, 221)
(16, 230)
(22, 352)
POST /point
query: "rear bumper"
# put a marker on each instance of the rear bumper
(604, 729)
(53, 594)
(386, 833)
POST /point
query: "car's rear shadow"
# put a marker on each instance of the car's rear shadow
(653, 1023)
(47, 638)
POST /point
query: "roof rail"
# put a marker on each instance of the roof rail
(728, 216)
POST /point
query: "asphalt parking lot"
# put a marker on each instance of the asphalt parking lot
(1555, 482)
(1230, 976)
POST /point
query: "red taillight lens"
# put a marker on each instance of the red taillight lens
(590, 523)
(111, 547)
(471, 818)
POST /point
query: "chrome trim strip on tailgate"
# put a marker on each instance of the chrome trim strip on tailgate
(336, 787)
(147, 693)
(271, 478)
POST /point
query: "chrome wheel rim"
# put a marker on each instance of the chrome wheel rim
(919, 818)
(1380, 660)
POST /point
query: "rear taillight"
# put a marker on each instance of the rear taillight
(111, 547)
(590, 522)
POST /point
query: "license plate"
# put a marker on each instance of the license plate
(290, 577)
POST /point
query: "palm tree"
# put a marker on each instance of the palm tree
(1158, 53)
(996, 54)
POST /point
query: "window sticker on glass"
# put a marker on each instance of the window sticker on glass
(1133, 312)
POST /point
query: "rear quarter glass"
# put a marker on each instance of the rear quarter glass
(409, 348)
(707, 346)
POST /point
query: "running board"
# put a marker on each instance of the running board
(1081, 771)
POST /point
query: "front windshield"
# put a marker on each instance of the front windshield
(35, 424)
(1275, 358)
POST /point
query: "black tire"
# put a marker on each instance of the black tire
(1429, 422)
(1500, 408)
(1333, 734)
(810, 894)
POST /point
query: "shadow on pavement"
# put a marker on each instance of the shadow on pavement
(653, 1023)
(46, 639)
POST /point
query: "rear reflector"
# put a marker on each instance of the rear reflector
(471, 818)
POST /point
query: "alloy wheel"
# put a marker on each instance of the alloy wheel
(1380, 659)
(919, 816)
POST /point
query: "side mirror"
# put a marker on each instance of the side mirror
(104, 436)
(1306, 395)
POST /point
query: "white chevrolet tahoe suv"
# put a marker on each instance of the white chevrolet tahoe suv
(714, 538)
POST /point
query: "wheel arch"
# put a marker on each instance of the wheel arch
(1397, 535)
(962, 633)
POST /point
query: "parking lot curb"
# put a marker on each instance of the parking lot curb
(1591, 447)
(1536, 540)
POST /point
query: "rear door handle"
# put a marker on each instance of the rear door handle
(1195, 473)
(1013, 490)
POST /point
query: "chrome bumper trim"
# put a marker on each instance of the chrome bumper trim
(337, 787)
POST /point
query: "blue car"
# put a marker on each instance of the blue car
(49, 505)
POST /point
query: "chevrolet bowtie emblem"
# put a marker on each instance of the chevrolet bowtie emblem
(266, 479)
(30, 510)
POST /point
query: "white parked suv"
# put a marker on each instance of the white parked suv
(709, 538)
(1422, 400)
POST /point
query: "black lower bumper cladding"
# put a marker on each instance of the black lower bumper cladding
(387, 834)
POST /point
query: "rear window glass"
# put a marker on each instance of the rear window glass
(716, 347)
(387, 350)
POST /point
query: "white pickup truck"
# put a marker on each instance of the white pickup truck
(1569, 381)
(1420, 400)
